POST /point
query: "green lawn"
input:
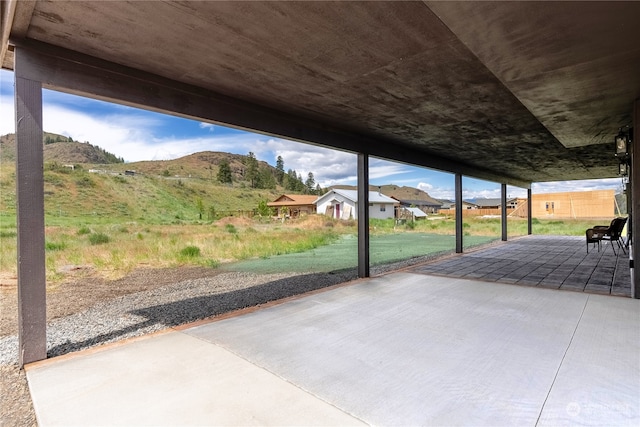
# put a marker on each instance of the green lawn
(343, 253)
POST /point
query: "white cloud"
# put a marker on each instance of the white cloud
(329, 167)
(209, 126)
(480, 193)
(583, 185)
(7, 112)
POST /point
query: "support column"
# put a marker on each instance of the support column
(459, 213)
(503, 210)
(363, 215)
(529, 210)
(635, 199)
(32, 317)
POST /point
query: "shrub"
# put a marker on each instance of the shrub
(213, 263)
(263, 209)
(190, 252)
(85, 181)
(83, 231)
(98, 238)
(53, 246)
(231, 228)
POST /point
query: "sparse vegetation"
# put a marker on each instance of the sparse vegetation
(98, 239)
(54, 246)
(148, 217)
(190, 252)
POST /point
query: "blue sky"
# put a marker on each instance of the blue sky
(135, 134)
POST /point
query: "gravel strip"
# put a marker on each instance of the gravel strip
(183, 302)
(148, 311)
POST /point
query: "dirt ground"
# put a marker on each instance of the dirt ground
(79, 292)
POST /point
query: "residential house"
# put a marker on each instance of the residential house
(294, 205)
(575, 204)
(429, 205)
(343, 204)
(496, 203)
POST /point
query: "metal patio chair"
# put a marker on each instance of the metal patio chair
(613, 233)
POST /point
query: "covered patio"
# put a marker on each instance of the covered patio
(509, 92)
(554, 262)
(399, 349)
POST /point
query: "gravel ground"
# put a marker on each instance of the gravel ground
(86, 314)
(142, 313)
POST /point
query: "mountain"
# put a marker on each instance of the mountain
(202, 165)
(400, 193)
(156, 191)
(61, 149)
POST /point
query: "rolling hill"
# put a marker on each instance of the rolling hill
(100, 187)
(59, 148)
(400, 193)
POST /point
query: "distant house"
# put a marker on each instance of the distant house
(447, 204)
(294, 205)
(512, 203)
(467, 205)
(343, 204)
(427, 206)
(575, 204)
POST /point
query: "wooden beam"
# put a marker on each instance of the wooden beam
(15, 16)
(30, 203)
(503, 211)
(363, 215)
(69, 71)
(459, 231)
(634, 253)
(529, 210)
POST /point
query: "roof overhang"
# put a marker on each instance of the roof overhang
(514, 92)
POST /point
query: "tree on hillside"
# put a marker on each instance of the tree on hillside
(310, 183)
(266, 179)
(279, 170)
(251, 169)
(319, 190)
(293, 182)
(224, 172)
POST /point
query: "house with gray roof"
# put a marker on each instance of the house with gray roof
(343, 204)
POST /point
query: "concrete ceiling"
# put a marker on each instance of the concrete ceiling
(534, 91)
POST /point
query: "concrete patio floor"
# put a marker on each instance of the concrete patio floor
(400, 349)
(556, 262)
